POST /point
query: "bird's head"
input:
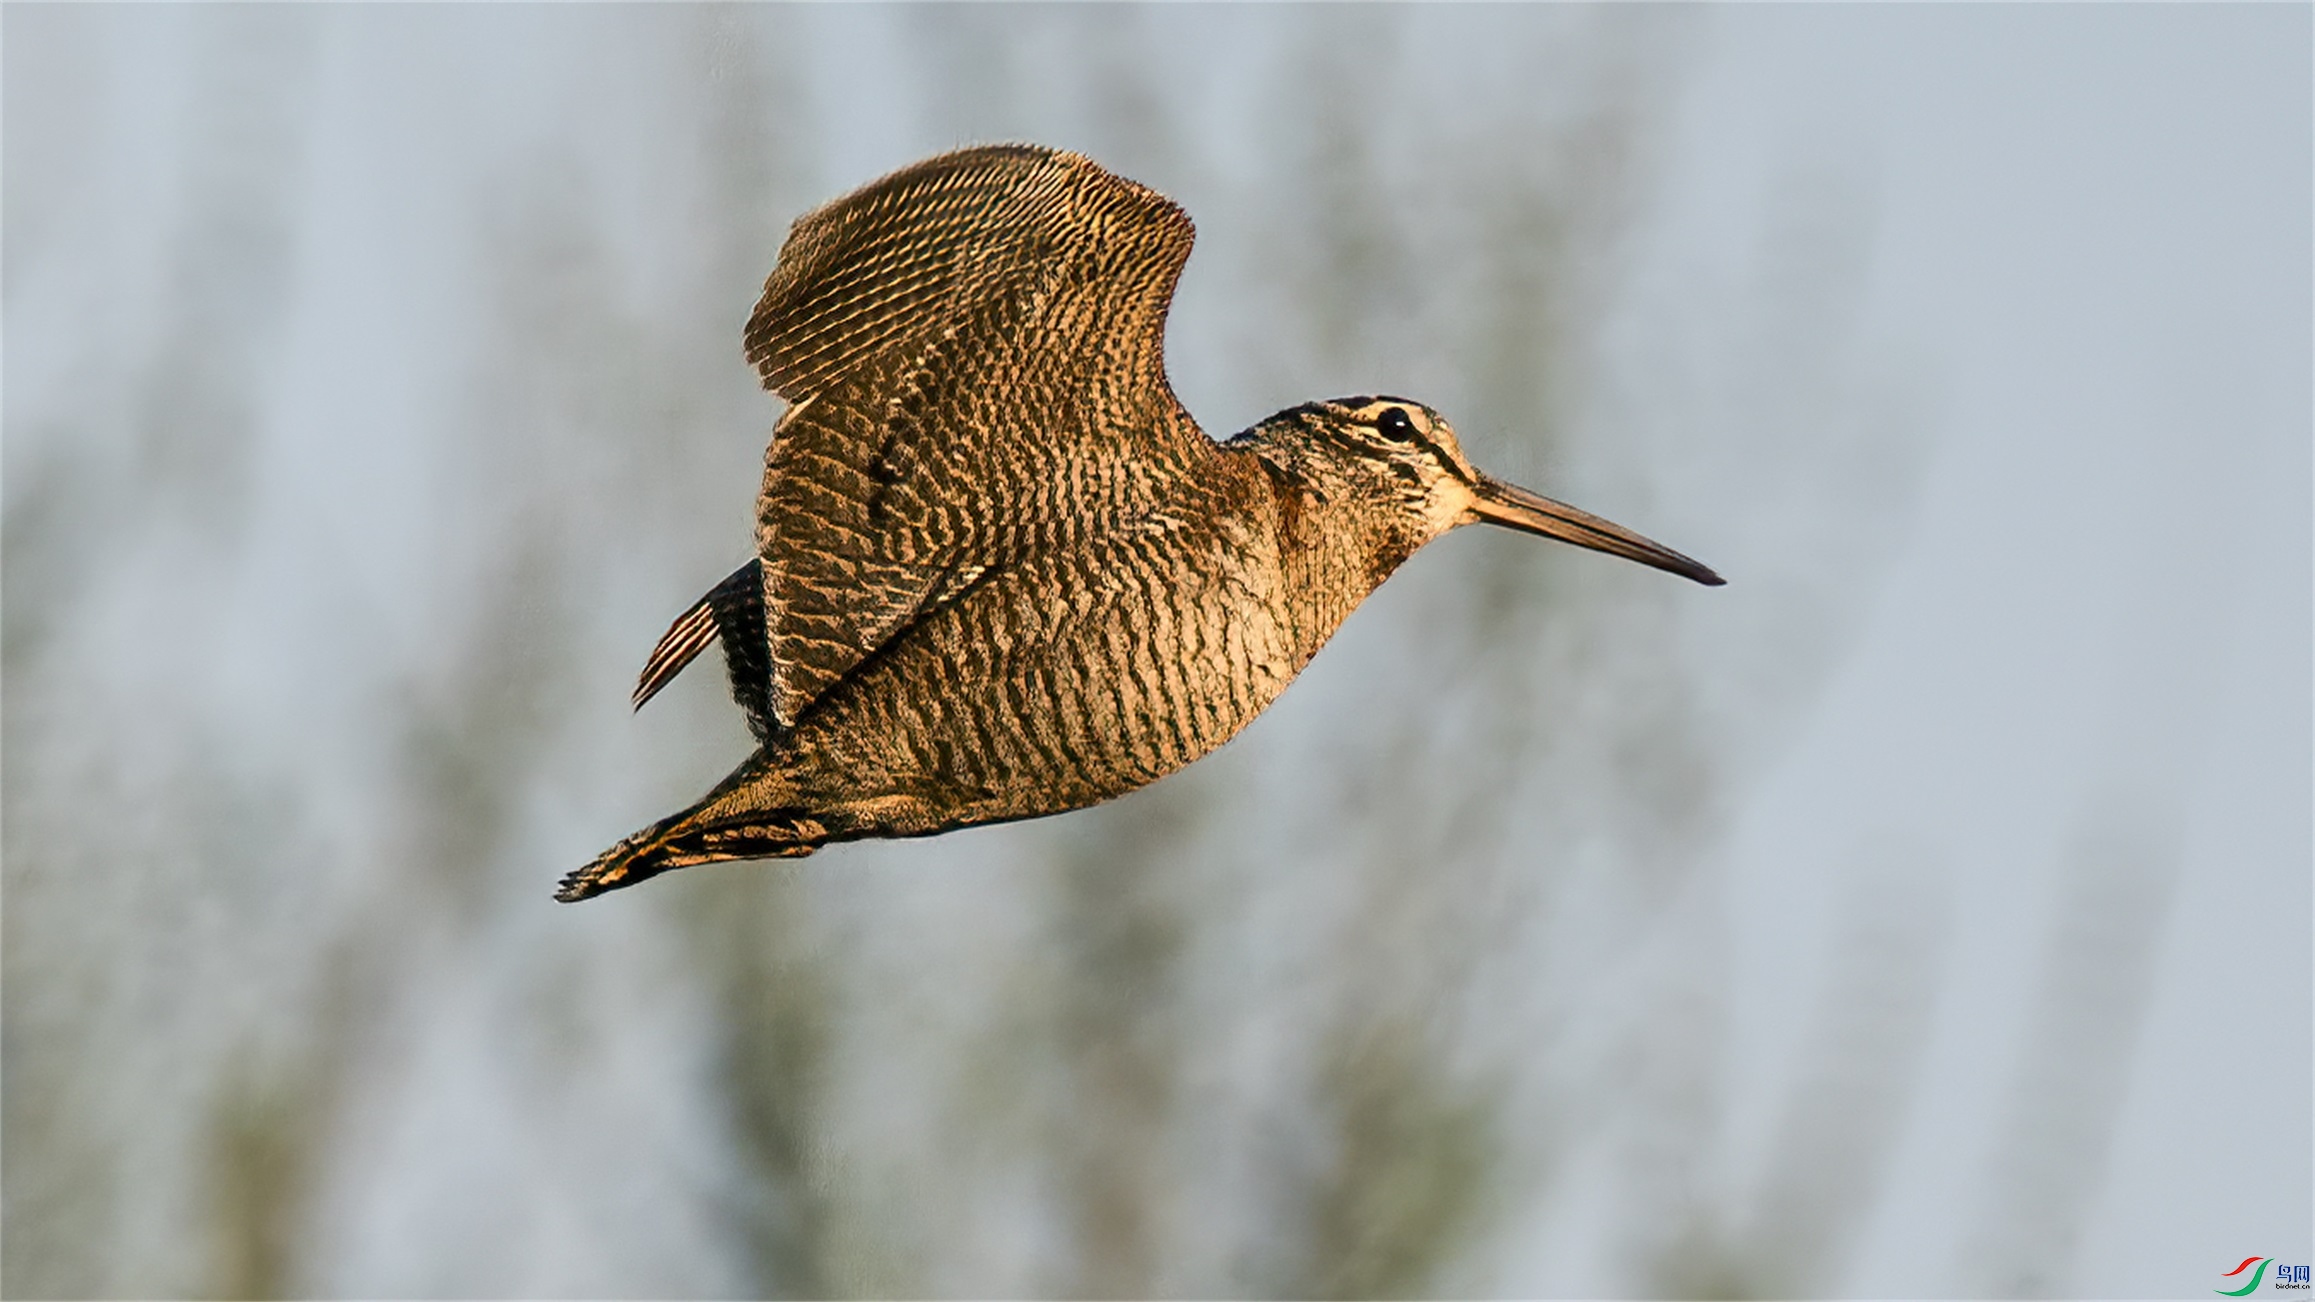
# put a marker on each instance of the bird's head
(1401, 460)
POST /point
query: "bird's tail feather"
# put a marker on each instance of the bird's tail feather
(734, 821)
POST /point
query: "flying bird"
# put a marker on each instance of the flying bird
(999, 571)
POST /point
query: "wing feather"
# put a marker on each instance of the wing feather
(732, 610)
(973, 351)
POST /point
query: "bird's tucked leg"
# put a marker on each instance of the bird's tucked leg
(753, 814)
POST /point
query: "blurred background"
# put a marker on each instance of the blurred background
(1926, 912)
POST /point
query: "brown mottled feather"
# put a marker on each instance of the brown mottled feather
(957, 340)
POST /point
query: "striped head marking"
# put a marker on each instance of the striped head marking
(1398, 455)
(1400, 459)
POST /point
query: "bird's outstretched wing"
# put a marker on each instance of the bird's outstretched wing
(973, 353)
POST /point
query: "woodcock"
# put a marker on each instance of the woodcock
(999, 571)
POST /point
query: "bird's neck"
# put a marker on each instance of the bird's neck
(1335, 544)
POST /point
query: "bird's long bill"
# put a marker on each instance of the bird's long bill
(1516, 508)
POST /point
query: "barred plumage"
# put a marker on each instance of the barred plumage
(1000, 572)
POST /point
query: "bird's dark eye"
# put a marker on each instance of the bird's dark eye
(1395, 425)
